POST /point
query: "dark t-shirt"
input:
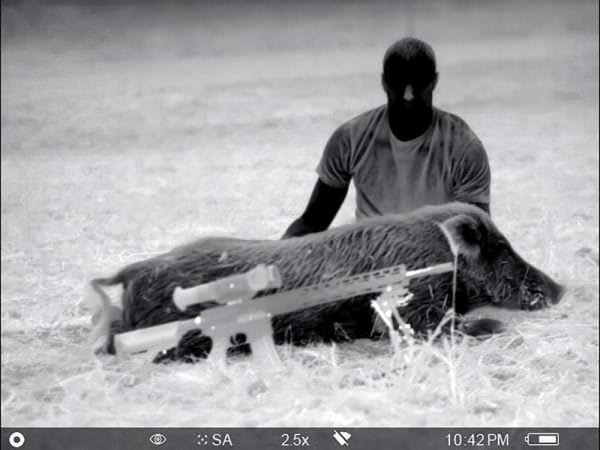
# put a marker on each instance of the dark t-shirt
(446, 163)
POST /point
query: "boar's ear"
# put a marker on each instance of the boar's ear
(463, 234)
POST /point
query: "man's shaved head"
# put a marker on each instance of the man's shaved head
(408, 79)
(409, 60)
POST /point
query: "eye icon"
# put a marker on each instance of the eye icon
(157, 439)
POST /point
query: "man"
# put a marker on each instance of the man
(402, 155)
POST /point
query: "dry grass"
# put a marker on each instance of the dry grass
(129, 140)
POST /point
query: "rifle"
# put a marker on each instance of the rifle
(240, 313)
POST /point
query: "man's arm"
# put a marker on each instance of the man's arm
(325, 201)
(472, 179)
(335, 171)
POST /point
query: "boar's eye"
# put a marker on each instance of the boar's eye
(496, 247)
(471, 233)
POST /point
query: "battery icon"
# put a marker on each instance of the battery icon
(542, 439)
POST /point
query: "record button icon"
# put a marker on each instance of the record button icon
(16, 439)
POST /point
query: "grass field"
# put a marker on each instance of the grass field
(128, 130)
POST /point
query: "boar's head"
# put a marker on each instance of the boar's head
(491, 269)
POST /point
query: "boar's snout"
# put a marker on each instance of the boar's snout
(539, 290)
(558, 293)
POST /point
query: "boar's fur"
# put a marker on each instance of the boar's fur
(489, 272)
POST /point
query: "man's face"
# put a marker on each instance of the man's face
(410, 95)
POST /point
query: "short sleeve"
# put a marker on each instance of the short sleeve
(334, 169)
(472, 177)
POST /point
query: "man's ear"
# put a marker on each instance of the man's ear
(435, 81)
(384, 85)
(463, 234)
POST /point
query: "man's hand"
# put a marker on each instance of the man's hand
(325, 201)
